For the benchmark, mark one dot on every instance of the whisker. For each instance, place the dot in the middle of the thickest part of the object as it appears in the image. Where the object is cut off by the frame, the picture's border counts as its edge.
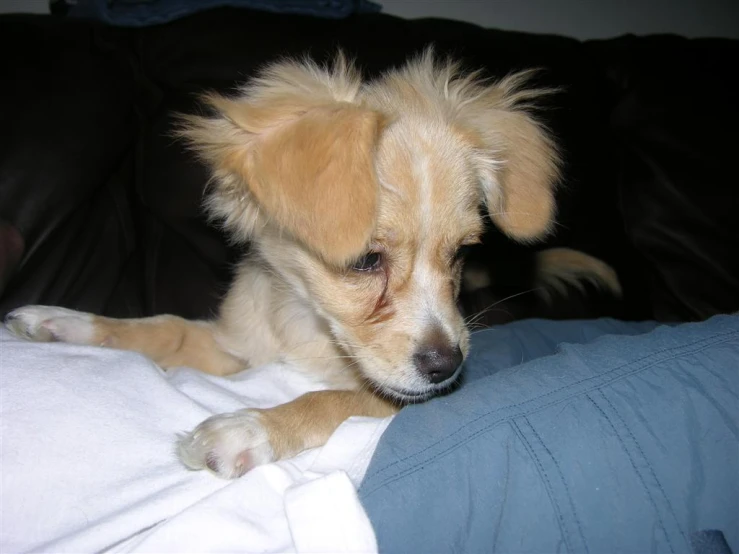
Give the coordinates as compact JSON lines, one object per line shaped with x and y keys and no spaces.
{"x":475,"y":318}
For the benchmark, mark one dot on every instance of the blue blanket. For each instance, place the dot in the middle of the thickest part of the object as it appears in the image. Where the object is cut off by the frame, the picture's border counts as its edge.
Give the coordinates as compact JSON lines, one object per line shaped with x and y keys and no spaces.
{"x":141,"y":13}
{"x":595,"y":436}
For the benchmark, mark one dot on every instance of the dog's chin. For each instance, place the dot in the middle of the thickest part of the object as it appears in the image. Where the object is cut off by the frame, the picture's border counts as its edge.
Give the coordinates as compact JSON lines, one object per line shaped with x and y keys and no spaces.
{"x":416,"y":396}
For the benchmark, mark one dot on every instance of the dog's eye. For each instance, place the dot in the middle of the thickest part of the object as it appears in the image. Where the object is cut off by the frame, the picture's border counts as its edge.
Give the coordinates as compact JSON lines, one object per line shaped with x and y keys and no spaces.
{"x":461,"y":253}
{"x":368,"y":262}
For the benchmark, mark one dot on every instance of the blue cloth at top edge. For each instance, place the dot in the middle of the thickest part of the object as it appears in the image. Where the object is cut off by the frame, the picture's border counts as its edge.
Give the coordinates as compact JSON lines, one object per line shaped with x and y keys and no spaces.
{"x":142,"y":13}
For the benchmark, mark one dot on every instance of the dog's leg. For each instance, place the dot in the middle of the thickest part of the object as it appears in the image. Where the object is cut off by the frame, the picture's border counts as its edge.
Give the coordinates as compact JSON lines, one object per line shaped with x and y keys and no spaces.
{"x":168,"y":340}
{"x":231,"y":444}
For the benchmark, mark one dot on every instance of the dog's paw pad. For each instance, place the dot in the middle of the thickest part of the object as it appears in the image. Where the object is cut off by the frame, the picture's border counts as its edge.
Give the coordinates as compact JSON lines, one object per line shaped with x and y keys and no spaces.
{"x":229,"y":445}
{"x":50,"y":324}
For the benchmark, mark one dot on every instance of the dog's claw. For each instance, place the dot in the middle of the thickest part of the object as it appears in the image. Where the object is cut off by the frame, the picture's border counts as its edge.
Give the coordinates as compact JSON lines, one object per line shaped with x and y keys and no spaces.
{"x":228,"y":445}
{"x":50,"y":324}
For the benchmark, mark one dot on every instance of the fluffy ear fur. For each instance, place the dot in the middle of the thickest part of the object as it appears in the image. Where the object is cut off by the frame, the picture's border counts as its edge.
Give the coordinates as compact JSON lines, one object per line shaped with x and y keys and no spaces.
{"x":519,"y":163}
{"x":293,"y":149}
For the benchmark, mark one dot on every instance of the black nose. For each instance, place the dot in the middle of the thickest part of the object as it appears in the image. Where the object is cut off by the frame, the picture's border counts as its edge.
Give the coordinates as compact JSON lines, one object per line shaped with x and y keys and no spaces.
{"x":437,"y":361}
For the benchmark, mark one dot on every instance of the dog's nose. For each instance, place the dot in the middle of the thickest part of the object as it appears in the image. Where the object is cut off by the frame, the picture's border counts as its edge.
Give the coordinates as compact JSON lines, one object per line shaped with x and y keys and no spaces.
{"x":437,"y":361}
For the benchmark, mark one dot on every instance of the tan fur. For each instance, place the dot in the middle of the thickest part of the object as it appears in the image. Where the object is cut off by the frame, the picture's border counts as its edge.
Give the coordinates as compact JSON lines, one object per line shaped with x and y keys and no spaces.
{"x":292,"y":144}
{"x":313,"y":417}
{"x":316,"y":169}
{"x":559,"y":268}
{"x":517,"y":161}
{"x":168,"y":340}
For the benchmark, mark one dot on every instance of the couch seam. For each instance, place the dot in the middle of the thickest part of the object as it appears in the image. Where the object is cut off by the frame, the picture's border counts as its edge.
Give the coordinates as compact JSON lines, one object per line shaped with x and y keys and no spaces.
{"x":627,"y":451}
{"x":547,"y":482}
{"x":649,"y":465}
{"x":562,"y":479}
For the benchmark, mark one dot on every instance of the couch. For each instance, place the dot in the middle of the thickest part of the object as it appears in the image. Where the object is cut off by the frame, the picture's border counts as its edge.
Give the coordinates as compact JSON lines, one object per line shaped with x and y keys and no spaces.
{"x":108,"y":204}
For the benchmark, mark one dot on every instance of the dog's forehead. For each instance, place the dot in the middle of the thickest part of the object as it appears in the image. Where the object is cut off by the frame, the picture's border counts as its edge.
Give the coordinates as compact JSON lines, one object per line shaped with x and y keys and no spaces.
{"x":427,"y":181}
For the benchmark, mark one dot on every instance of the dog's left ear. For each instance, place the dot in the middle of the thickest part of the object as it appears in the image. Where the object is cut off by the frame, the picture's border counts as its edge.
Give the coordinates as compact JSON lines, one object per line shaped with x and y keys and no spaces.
{"x":294,"y":152}
{"x":315,"y":177}
{"x":519,"y":164}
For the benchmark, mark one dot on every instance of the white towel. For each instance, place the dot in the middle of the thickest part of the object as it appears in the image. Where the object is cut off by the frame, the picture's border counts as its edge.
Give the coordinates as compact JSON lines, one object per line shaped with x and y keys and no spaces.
{"x":87,"y":461}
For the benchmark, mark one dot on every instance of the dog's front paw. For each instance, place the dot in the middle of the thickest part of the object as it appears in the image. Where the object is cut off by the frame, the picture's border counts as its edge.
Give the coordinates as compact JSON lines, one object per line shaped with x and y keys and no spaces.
{"x":48,"y":323}
{"x":229,"y":445}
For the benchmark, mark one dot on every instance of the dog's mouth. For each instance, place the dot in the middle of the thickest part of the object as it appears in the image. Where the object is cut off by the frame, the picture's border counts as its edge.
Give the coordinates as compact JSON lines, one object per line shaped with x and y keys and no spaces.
{"x":410,"y":396}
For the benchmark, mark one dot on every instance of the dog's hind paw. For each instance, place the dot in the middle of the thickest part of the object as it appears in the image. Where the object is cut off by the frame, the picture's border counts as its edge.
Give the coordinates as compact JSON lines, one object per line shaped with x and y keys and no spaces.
{"x":229,"y":445}
{"x":51,"y":324}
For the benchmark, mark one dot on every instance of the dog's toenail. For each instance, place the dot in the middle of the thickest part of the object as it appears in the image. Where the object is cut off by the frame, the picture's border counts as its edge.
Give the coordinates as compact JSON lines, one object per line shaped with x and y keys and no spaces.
{"x":211,"y":461}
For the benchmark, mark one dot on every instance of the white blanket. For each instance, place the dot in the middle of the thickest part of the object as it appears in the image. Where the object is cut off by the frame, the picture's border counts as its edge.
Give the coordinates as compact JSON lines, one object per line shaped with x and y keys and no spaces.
{"x":88,"y":463}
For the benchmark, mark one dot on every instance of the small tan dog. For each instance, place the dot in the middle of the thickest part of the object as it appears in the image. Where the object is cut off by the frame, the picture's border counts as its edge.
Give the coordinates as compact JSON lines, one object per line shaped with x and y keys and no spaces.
{"x":357,"y":197}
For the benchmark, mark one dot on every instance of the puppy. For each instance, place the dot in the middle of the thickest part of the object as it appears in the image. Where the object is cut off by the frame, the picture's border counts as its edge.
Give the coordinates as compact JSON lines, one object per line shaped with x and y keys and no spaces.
{"x":358,"y":199}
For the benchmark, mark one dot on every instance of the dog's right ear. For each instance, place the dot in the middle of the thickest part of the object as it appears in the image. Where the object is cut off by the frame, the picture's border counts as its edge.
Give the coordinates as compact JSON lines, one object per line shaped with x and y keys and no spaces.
{"x":294,"y":150}
{"x":519,"y":162}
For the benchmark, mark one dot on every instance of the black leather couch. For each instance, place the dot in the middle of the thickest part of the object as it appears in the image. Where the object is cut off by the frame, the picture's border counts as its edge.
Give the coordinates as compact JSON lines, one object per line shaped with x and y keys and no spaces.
{"x":108,"y":204}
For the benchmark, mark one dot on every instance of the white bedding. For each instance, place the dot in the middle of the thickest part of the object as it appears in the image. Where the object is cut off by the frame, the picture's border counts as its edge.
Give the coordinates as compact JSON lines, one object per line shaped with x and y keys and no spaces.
{"x":87,"y":461}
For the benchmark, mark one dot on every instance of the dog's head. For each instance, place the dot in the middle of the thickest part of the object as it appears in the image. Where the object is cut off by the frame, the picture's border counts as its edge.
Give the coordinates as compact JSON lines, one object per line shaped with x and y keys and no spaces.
{"x":362,"y":196}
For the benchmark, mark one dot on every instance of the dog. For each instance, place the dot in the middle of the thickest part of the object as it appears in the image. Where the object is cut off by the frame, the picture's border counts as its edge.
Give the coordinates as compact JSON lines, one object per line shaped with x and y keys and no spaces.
{"x":358,"y":199}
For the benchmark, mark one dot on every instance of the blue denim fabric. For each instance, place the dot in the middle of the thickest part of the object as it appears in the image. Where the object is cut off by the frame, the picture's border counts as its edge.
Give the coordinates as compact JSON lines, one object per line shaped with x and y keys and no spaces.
{"x":598,"y":436}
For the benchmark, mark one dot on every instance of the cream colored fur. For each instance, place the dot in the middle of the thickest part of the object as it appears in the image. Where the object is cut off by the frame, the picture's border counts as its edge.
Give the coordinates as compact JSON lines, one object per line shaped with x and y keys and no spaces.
{"x":318,"y":169}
